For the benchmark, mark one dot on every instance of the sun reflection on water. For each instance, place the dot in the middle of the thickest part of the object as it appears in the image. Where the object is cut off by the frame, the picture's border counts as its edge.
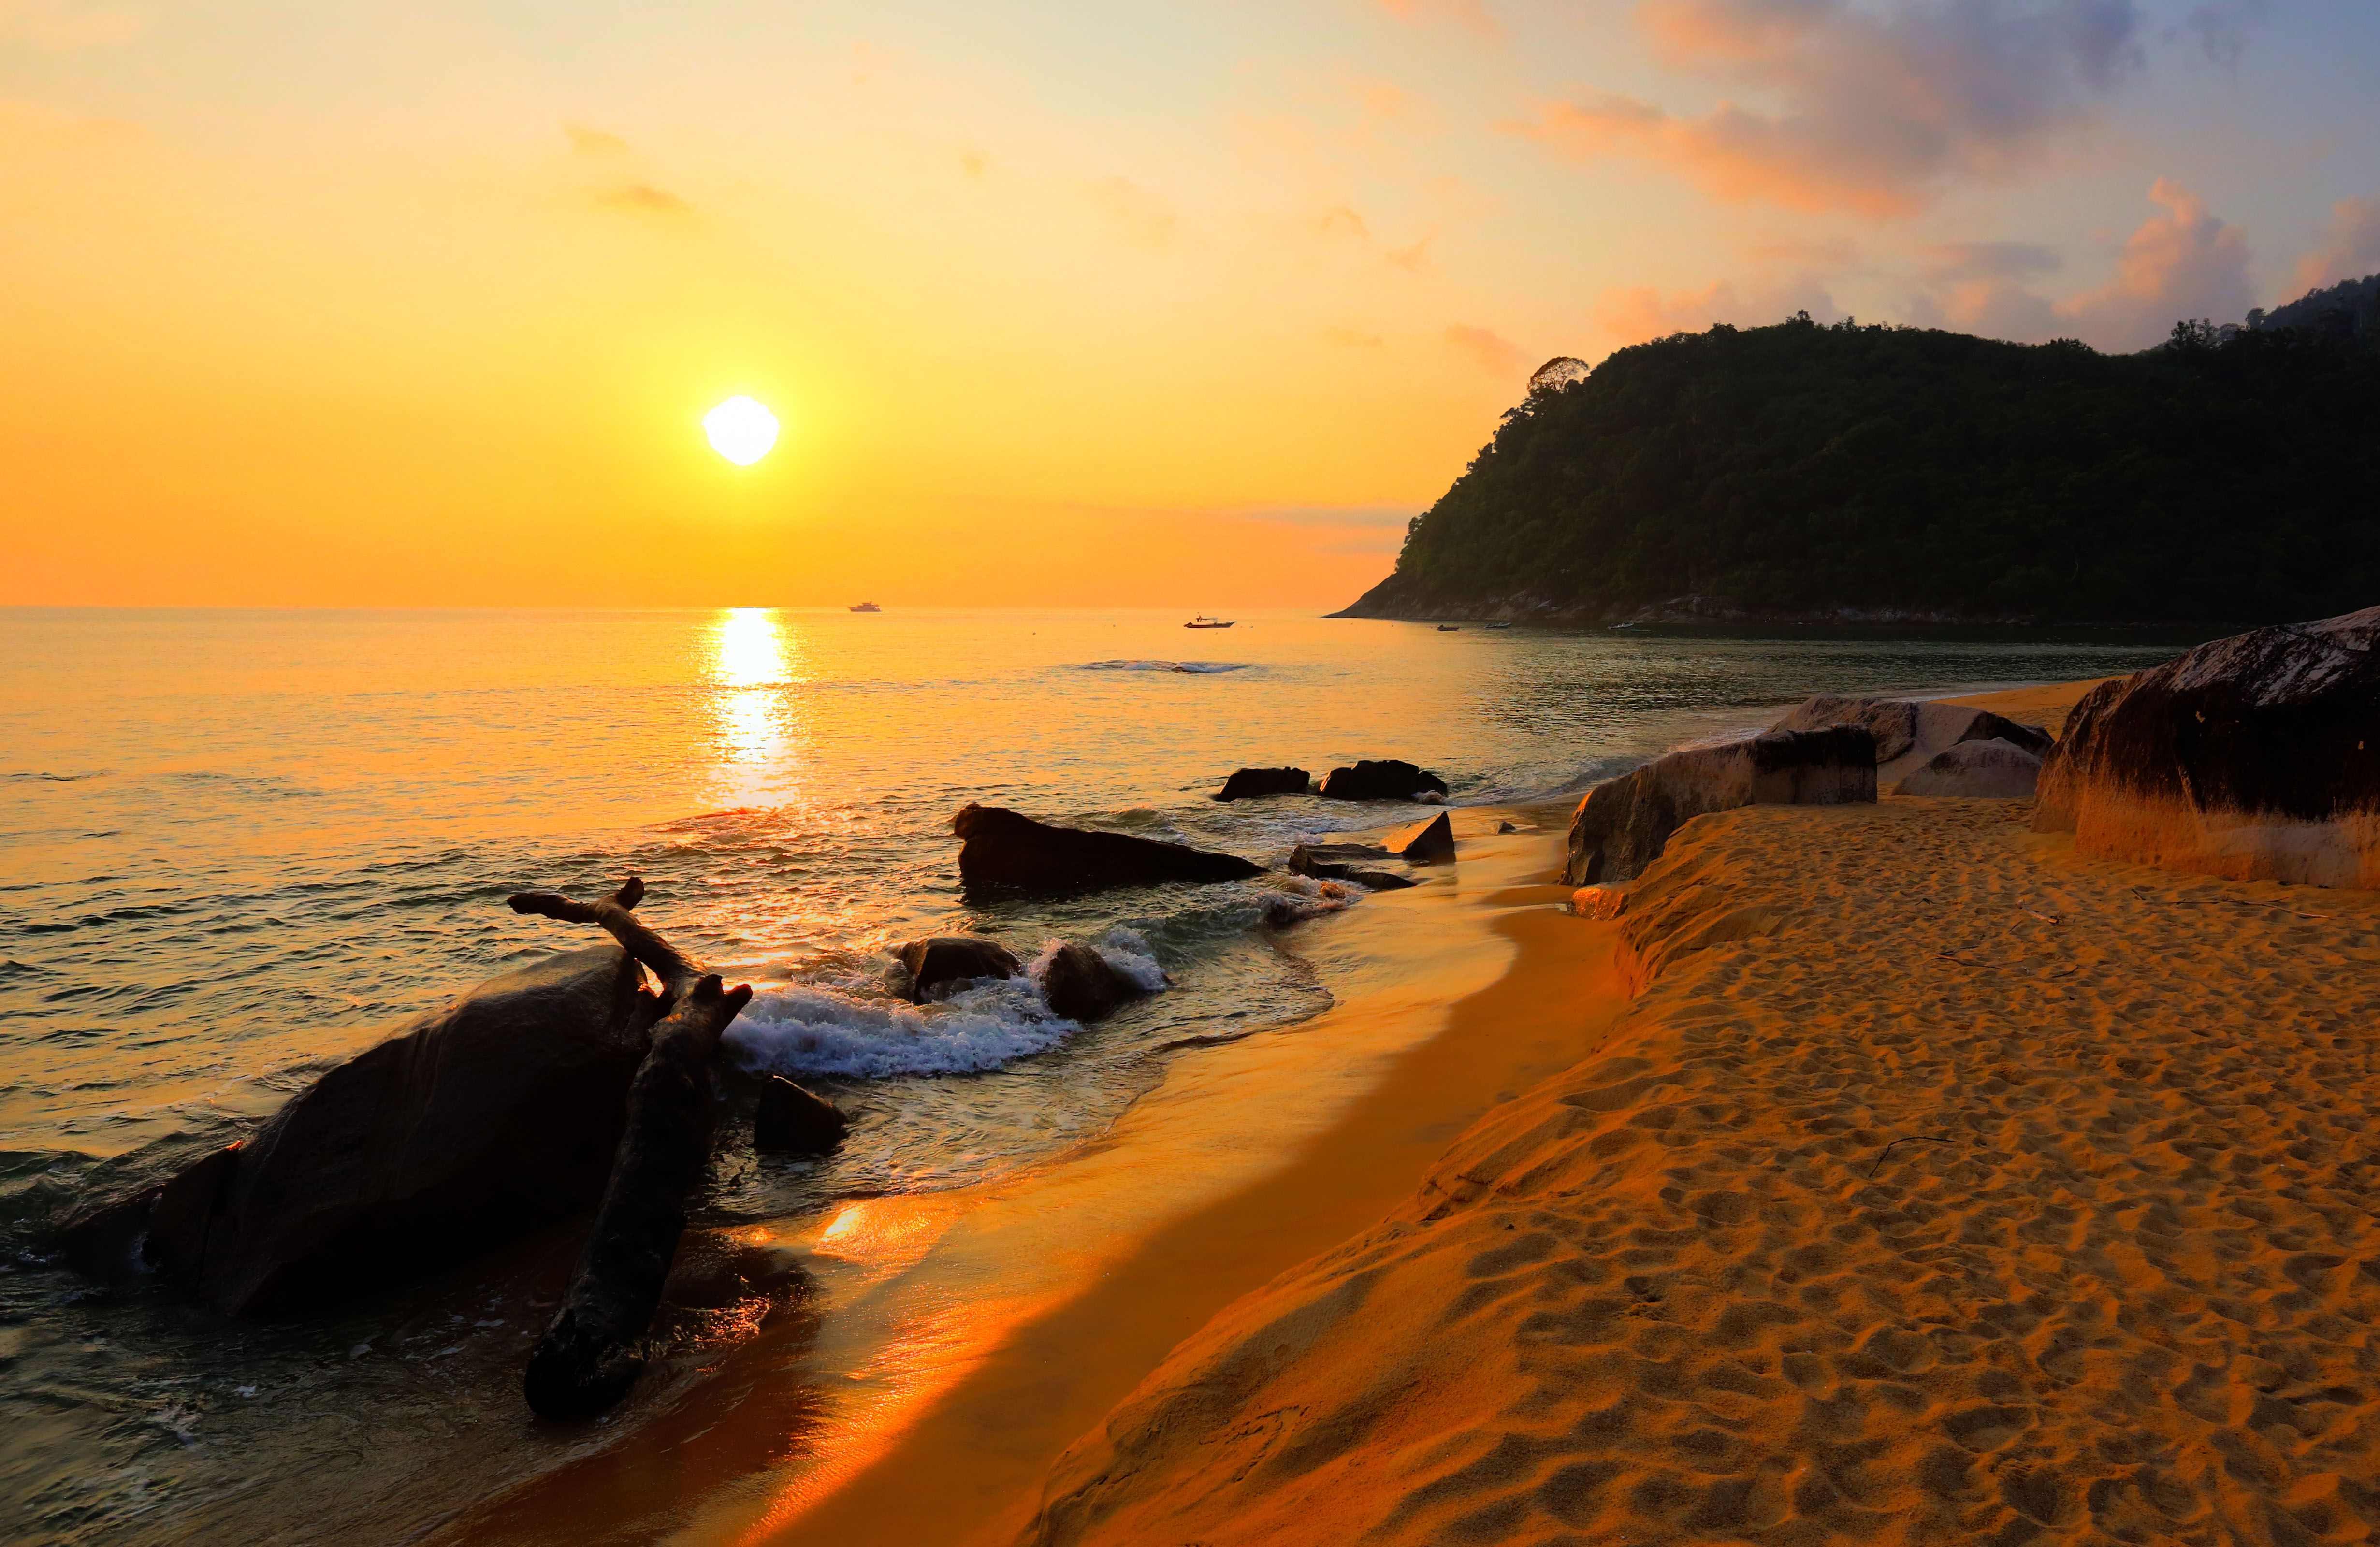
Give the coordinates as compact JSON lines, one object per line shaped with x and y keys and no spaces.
{"x":754,"y":672}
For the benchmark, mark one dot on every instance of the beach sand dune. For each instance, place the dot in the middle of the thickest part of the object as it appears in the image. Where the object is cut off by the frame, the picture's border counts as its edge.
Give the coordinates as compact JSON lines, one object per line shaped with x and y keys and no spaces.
{"x":1943,"y":1186}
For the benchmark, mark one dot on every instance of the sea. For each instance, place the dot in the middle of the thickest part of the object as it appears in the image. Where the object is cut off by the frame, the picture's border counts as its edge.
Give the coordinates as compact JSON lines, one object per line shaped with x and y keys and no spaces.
{"x":238,"y":846}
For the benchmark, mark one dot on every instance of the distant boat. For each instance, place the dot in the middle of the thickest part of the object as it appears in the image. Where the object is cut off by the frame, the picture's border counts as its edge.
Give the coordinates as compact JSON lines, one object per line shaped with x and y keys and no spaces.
{"x":1202,"y":621}
{"x":1500,"y":625}
{"x":867,"y":607}
{"x":1450,"y":628}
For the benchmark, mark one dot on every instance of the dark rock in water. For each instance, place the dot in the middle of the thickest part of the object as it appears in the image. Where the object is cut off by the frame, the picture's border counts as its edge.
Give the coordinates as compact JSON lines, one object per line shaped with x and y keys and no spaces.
{"x":1081,"y":984}
{"x":941,"y":959}
{"x":718,"y":1270}
{"x":1988,"y":770}
{"x":1911,"y":734}
{"x":1249,"y":783}
{"x":1346,"y":862}
{"x":472,"y":1125}
{"x":1430,"y":842}
{"x":2255,"y":757}
{"x":1388,"y":781}
{"x":1506,"y":826}
{"x":1003,"y":848}
{"x":1623,"y":823}
{"x":791,"y":1120}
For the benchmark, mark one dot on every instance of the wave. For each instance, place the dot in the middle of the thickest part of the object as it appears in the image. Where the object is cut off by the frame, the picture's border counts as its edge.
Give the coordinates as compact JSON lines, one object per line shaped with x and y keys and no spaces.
{"x":809,"y":1029}
{"x":1196,"y":666}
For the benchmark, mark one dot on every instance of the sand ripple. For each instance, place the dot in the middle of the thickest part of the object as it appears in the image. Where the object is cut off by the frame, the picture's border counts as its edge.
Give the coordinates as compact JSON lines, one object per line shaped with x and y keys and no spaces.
{"x":1944,"y":1185}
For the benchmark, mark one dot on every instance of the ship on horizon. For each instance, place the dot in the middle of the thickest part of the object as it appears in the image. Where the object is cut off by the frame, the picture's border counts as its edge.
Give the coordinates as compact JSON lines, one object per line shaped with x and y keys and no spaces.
{"x":867,"y":607}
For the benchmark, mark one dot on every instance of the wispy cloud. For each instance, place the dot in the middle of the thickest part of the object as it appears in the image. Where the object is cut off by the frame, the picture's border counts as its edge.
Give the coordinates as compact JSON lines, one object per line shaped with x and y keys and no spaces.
{"x":61,"y":26}
{"x":1490,"y":349}
{"x":1632,"y":314}
{"x":1134,"y":214}
{"x":585,"y":142}
{"x":643,"y":199}
{"x":1870,"y":108}
{"x":2350,"y":248}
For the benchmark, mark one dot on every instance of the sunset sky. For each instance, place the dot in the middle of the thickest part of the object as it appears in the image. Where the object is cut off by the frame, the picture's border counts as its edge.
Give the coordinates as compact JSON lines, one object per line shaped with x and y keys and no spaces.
{"x":1117,"y":303}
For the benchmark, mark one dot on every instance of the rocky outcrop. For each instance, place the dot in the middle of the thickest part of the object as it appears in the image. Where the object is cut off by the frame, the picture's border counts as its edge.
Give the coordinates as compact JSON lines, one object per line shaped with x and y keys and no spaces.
{"x":2255,"y":757}
{"x":1385,"y":781}
{"x":1081,"y":984}
{"x":1978,"y":770}
{"x":471,"y":1125}
{"x":1003,"y":848}
{"x":1430,"y":842}
{"x":1348,"y":862}
{"x":1623,"y":824}
{"x":1248,"y":784}
{"x":1605,"y":901}
{"x":791,"y":1120}
{"x":941,"y":959}
{"x":1909,"y":734}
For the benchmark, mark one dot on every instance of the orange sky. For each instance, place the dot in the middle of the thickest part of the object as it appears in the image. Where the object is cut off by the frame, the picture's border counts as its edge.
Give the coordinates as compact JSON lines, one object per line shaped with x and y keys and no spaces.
{"x":1132,"y":304}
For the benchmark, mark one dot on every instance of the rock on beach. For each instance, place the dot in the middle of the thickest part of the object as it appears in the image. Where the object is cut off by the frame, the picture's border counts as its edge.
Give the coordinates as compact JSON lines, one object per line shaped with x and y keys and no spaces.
{"x":1003,"y":848}
{"x":1623,"y":823}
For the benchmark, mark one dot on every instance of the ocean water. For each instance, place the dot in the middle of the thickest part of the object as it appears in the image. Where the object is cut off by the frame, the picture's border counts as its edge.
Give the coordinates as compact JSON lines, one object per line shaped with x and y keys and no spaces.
{"x":235,"y":845}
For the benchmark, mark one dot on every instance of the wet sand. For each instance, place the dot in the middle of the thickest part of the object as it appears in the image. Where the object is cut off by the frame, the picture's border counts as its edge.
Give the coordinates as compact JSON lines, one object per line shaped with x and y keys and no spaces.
{"x":1943,"y":1185}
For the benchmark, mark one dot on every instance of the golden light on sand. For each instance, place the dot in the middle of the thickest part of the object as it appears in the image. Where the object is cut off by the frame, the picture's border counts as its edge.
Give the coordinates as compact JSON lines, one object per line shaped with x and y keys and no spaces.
{"x":741,"y":429}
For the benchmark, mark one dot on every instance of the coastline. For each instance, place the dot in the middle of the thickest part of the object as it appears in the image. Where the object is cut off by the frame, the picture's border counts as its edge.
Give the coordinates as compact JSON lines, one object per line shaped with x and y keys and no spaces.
{"x":1941,"y":1184}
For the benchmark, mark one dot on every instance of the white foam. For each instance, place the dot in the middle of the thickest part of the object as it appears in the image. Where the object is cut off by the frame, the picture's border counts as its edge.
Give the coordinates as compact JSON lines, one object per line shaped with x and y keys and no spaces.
{"x":797,"y":1030}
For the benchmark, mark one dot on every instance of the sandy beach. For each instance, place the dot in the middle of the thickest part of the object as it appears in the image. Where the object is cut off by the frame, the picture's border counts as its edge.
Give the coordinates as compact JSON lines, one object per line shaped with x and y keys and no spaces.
{"x":1940,"y":1185}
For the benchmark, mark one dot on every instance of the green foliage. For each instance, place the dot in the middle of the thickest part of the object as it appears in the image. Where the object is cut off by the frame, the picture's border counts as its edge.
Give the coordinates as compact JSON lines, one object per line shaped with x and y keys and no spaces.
{"x":1804,"y":467}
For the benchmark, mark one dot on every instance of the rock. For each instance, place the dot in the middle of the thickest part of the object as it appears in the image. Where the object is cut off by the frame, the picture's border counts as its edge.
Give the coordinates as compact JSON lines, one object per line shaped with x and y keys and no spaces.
{"x":1381,"y":781}
{"x":1081,"y":984}
{"x":1430,"y":843}
{"x":1249,"y":783}
{"x":1988,"y":770}
{"x":1621,"y":825}
{"x":718,"y":1270}
{"x":493,"y":1116}
{"x":1506,"y":826}
{"x":1003,"y":848}
{"x":939,"y":959}
{"x":1605,"y":901}
{"x":1344,"y":861}
{"x":791,"y":1120}
{"x":2255,"y":757}
{"x":1910,"y":735}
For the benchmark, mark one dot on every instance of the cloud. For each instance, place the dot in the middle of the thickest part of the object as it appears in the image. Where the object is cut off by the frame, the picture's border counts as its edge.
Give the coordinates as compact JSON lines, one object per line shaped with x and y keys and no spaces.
{"x":585,"y":142}
{"x":1490,"y":349}
{"x":643,"y":198}
{"x":2220,"y":29}
{"x":1874,"y":107}
{"x":1352,"y":338}
{"x":1632,"y":314}
{"x":2184,"y":262}
{"x":1133,"y":212}
{"x":2349,"y":246}
{"x":973,"y":163}
{"x":1472,"y":14}
{"x":1366,"y":517}
{"x":60,"y":26}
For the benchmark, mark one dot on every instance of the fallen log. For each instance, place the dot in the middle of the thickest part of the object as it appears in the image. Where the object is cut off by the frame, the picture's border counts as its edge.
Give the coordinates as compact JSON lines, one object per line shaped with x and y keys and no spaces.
{"x":592,"y":1350}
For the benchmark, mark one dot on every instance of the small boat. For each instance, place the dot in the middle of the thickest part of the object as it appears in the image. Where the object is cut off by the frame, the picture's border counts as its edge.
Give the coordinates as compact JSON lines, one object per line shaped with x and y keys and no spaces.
{"x":1450,"y":628}
{"x":1202,"y":621}
{"x":867,"y":607}
{"x":1500,"y":625}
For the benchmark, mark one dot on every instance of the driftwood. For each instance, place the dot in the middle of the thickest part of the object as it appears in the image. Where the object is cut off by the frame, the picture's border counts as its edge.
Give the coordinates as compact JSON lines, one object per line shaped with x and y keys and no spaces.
{"x":592,"y":1352}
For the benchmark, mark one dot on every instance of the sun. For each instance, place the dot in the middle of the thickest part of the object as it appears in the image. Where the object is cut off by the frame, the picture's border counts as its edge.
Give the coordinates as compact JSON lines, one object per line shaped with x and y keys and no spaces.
{"x":741,"y":431}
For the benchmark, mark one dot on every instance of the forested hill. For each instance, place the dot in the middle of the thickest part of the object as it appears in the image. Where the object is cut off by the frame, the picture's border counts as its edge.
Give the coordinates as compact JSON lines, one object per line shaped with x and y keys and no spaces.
{"x":1806,"y":471}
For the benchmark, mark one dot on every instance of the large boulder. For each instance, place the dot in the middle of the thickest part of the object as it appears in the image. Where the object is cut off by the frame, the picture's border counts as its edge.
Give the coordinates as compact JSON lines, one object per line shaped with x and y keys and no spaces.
{"x":1348,"y":862}
{"x":1623,"y":824}
{"x":1004,"y":847}
{"x":2257,"y":758}
{"x":939,"y":959}
{"x":1247,"y":784}
{"x":493,"y":1116}
{"x":1987,"y":770}
{"x":1430,"y":843}
{"x":1909,"y":734}
{"x":1081,"y":984}
{"x":1386,"y":780}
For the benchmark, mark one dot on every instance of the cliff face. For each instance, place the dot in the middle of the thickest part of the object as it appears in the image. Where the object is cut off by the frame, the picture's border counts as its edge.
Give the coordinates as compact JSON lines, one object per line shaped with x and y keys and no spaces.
{"x":1847,"y":475}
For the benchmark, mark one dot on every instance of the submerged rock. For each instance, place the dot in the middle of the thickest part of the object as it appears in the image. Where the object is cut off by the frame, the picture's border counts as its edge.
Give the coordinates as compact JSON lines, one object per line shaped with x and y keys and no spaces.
{"x":1348,"y":862}
{"x":1081,"y":984}
{"x":1430,"y":842}
{"x":1388,"y":781}
{"x":1003,"y":848}
{"x":2255,"y":757}
{"x":1988,"y":770}
{"x":939,"y":959}
{"x":792,"y":1120}
{"x":473,"y":1124}
{"x":1623,"y":824}
{"x":1250,"y":784}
